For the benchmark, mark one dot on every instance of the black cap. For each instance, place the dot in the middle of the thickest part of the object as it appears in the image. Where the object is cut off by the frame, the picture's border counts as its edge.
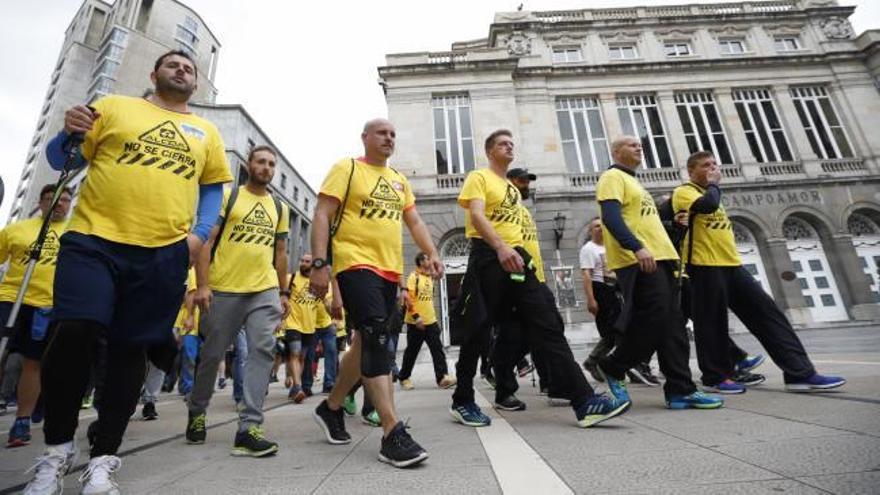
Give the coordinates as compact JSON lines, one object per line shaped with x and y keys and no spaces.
{"x":520,"y":173}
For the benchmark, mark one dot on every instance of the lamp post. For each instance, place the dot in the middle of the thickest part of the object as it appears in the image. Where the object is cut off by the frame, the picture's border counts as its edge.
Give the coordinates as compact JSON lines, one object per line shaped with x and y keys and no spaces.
{"x":558,"y":227}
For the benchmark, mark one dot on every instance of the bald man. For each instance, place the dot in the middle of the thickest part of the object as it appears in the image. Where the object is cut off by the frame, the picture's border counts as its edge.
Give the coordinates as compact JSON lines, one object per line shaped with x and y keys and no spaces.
{"x":640,"y":253}
{"x":358,"y":228}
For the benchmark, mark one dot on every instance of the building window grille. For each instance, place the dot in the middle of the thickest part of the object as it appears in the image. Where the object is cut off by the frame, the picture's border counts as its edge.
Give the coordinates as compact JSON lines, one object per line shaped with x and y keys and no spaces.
{"x":567,"y":54}
{"x":640,"y":116}
{"x":764,"y":132}
{"x":582,"y":131}
{"x":824,"y":129}
{"x":623,"y":52}
{"x":677,"y":49}
{"x":702,"y":124}
{"x":453,"y":134}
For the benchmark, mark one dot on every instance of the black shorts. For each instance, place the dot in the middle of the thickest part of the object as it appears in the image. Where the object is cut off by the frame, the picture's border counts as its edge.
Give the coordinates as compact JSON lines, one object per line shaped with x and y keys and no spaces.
{"x":367,"y":297}
{"x":298,"y":341}
{"x":29,"y":336}
{"x":134,"y":291}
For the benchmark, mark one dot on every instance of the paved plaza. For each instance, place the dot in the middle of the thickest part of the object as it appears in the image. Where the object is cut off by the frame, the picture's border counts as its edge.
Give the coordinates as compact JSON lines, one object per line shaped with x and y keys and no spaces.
{"x":766,"y":441}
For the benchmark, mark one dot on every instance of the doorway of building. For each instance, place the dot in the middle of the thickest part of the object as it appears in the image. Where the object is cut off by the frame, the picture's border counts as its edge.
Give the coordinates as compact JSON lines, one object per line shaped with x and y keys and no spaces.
{"x":813,"y":271}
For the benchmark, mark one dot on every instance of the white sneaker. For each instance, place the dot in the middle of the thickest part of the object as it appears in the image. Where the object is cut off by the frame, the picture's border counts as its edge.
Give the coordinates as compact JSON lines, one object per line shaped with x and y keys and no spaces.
{"x":99,"y":477}
{"x":50,"y":469}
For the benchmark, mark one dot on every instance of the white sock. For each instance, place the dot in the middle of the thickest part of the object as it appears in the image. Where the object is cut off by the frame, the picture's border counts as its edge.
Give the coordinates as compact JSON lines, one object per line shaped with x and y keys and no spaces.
{"x":67,"y":446}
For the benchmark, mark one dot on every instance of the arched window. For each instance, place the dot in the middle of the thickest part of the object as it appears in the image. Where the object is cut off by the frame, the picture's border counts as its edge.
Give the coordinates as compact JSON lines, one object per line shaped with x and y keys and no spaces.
{"x":456,"y":246}
{"x":795,"y":229}
{"x":742,"y":235}
{"x":858,"y":224}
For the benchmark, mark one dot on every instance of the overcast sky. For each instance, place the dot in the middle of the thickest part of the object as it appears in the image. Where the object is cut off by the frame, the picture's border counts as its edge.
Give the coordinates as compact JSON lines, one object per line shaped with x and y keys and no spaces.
{"x":306,"y":71}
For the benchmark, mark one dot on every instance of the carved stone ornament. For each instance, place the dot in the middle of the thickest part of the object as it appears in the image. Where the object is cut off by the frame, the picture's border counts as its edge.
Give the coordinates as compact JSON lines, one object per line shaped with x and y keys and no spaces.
{"x":674,"y":34}
{"x":730,"y":31}
{"x":514,"y":16}
{"x":781,"y":29}
{"x":518,"y":44}
{"x":837,"y":28}
{"x":621,"y":37}
{"x":818,"y":3}
{"x":565,"y":37}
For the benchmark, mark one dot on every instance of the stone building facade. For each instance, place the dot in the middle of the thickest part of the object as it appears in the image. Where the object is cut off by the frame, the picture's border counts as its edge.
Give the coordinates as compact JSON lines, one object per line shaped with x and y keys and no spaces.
{"x":783,"y":92}
{"x":110,"y":48}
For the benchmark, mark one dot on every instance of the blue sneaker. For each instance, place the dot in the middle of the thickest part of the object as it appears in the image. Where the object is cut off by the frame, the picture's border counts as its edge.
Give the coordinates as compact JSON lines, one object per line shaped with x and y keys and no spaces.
{"x":816,"y":383}
{"x":726,"y":387}
{"x":696,"y":400}
{"x":749,"y":363}
{"x":20,"y":433}
{"x":615,"y":386}
{"x":470,"y":415}
{"x":599,"y":408}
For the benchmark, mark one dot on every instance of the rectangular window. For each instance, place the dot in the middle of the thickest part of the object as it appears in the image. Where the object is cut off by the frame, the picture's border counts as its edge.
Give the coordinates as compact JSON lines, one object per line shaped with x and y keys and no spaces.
{"x":640,"y":116}
{"x":702,"y":124}
{"x":453,"y":135}
{"x":564,"y":55}
{"x":283,"y":181}
{"x":787,"y":43}
{"x":764,"y":132}
{"x":187,"y":34}
{"x":582,"y":130}
{"x":306,"y":205}
{"x":732,"y":47}
{"x":677,"y":49}
{"x":295,"y":194}
{"x":623,"y":52}
{"x":824,"y":129}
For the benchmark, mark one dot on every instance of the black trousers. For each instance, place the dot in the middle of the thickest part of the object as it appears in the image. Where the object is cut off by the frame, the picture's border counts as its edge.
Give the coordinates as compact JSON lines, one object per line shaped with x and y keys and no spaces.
{"x":414,"y":340}
{"x":651,"y":321}
{"x":734,"y":352}
{"x":65,"y":376}
{"x":715,"y":289}
{"x":542,"y":326}
{"x":608,"y":300}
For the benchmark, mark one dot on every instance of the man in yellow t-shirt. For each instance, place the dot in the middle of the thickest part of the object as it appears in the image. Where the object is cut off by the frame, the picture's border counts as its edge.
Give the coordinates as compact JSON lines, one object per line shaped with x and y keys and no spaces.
{"x":239,"y":273}
{"x":421,"y":326}
{"x":153,"y":167}
{"x":644,"y":259}
{"x":29,"y":330}
{"x":299,"y":326}
{"x":501,"y":278}
{"x":719,"y":282}
{"x":325,"y":334}
{"x":362,"y":206}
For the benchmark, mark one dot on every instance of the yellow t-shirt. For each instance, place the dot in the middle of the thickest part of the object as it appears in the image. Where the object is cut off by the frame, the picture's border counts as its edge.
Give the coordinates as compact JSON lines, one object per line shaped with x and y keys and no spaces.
{"x":530,"y":242}
{"x":370,"y":234}
{"x":714,"y":244}
{"x":16,"y":241}
{"x":639,"y":214}
{"x":145,"y":166}
{"x":302,"y":305}
{"x":421,"y":295}
{"x":183,"y":313}
{"x":502,"y":202}
{"x":322,"y":316}
{"x":243,"y":260}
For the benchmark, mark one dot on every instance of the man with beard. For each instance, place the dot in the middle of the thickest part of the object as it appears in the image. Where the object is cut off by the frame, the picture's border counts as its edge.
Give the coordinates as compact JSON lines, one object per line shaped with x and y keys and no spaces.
{"x":299,"y":331}
{"x":29,"y":337}
{"x":362,"y":206}
{"x":123,"y":261}
{"x":239,"y":272}
{"x":501,"y":276}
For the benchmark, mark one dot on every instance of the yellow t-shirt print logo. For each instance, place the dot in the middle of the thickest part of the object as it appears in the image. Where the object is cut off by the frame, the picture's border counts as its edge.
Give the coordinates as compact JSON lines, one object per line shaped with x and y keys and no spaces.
{"x":166,"y":135}
{"x":648,"y":207}
{"x":384,"y":191}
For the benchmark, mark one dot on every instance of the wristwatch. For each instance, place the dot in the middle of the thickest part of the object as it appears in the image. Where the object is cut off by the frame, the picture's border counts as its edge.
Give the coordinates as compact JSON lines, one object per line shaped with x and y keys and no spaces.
{"x":319,"y":263}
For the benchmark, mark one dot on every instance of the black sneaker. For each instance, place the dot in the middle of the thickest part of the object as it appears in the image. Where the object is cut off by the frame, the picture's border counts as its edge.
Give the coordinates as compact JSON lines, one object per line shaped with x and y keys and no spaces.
{"x":332,"y":422}
{"x":400,"y":450}
{"x":252,"y":443}
{"x":195,"y":428}
{"x":149,"y":411}
{"x":749,"y":379}
{"x":644,"y":369}
{"x":510,"y":403}
{"x":593,"y":369}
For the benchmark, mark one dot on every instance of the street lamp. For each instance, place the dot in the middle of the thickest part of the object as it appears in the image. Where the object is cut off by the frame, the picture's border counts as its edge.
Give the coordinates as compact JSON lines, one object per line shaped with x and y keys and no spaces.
{"x":558,"y":227}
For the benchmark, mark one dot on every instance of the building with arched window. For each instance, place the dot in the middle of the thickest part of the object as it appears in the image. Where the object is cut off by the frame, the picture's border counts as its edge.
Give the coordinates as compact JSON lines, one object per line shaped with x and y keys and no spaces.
{"x":783,"y":92}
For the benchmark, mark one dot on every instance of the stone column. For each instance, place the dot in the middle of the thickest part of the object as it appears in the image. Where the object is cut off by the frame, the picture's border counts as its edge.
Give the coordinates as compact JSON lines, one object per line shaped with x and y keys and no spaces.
{"x":608,"y":103}
{"x":674,"y":131}
{"x":852,"y":282}
{"x":787,"y":293}
{"x":795,"y":131}
{"x":734,"y":130}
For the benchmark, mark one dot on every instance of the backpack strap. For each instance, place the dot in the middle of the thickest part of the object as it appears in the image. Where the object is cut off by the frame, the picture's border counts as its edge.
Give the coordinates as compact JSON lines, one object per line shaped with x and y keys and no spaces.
{"x":337,"y":219}
{"x":230,"y":202}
